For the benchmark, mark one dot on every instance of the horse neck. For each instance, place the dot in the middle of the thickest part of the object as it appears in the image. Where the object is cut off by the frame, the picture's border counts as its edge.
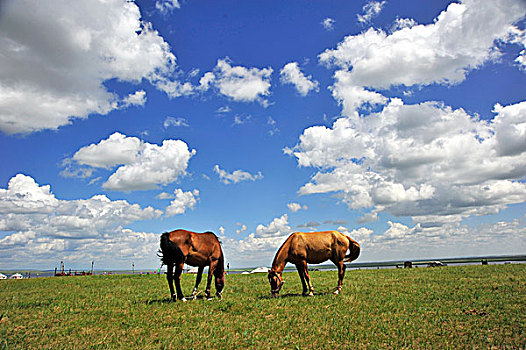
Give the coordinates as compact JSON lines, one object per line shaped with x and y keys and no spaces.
{"x":220,"y":268}
{"x":280,"y":260}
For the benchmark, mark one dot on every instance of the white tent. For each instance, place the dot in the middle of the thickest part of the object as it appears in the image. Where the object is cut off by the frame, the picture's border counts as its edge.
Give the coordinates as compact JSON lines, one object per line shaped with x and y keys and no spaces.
{"x":2,"y":276}
{"x":192,"y":269}
{"x":260,"y":270}
{"x":16,"y":276}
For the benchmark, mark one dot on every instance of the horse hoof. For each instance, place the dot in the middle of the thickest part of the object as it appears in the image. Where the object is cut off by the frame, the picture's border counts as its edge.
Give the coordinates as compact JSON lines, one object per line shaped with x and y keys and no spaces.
{"x":209,"y":299}
{"x":336,"y":292}
{"x":184,"y":300}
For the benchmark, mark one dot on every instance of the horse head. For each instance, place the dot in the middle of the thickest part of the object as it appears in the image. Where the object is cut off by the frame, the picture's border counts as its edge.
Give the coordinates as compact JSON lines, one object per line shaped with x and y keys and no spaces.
{"x":276,"y":282}
{"x":219,"y":281}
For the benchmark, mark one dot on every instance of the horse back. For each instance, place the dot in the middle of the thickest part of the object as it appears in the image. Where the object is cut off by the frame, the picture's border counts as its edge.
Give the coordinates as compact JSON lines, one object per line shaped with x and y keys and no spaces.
{"x":317,"y":247}
{"x":196,"y":249}
{"x":206,"y":243}
{"x":182,"y":239}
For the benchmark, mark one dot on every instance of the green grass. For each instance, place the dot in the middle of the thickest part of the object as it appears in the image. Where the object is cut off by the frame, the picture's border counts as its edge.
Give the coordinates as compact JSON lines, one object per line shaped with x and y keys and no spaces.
{"x":479,"y":307}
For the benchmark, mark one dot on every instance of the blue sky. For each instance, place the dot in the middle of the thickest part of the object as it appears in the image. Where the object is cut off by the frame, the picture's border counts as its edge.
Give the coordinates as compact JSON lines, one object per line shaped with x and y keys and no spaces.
{"x":399,"y":123}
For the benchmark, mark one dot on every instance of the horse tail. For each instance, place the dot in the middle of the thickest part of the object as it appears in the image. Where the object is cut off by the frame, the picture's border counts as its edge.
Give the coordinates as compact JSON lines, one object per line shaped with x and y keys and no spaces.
{"x":169,"y":253}
{"x":354,"y":250}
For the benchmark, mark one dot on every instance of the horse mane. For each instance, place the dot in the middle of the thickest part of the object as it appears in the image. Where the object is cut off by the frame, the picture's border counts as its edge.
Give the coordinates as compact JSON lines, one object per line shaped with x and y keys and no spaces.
{"x":169,"y":252}
{"x":278,"y":252}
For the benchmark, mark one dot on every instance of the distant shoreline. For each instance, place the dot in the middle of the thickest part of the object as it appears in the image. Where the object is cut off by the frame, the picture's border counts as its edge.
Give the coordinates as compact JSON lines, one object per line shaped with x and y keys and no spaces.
{"x":491,"y":259}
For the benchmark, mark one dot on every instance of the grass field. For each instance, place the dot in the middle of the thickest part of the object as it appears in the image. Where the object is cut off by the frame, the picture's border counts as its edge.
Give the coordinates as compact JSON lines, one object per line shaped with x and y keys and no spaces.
{"x":480,"y":307}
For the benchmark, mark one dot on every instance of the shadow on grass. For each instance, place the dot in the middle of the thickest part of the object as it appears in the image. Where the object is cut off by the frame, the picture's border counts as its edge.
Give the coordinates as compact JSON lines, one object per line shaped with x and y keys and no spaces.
{"x":188,"y":299}
{"x":296,"y":295}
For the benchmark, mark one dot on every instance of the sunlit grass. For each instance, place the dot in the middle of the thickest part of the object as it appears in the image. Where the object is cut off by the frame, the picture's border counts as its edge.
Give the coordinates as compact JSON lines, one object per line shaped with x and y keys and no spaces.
{"x":453,"y":307}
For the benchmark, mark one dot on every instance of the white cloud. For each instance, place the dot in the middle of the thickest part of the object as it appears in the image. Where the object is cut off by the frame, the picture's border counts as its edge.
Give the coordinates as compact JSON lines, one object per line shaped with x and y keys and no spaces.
{"x":369,"y":217}
{"x":236,"y":176}
{"x":241,"y":119}
{"x":402,"y":242}
{"x":142,"y":165}
{"x":224,"y":109}
{"x":138,"y":98}
{"x":177,"y":122}
{"x":182,"y":202}
{"x":273,"y":126}
{"x":291,"y":74}
{"x":242,"y":229}
{"x":115,"y":150}
{"x":371,"y":9}
{"x":258,"y":247}
{"x":295,"y":207}
{"x":406,"y":160}
{"x":279,"y":227}
{"x":461,"y":39}
{"x":401,"y":23}
{"x":166,"y":6}
{"x":518,"y":36}
{"x":328,"y":23}
{"x":164,"y":195}
{"x":58,"y":56}
{"x":239,"y":83}
{"x":39,"y":227}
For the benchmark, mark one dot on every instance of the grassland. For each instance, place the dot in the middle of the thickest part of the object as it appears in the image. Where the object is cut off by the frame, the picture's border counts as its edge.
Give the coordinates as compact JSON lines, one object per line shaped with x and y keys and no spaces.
{"x":480,"y":307}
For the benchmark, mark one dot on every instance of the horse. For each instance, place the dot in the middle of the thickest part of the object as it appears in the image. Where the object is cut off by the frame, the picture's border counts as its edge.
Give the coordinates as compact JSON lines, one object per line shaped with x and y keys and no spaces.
{"x":195,"y":249}
{"x":301,"y":248}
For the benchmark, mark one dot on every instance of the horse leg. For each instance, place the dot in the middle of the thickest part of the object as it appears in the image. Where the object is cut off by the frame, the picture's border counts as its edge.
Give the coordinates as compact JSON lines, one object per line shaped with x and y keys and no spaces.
{"x":302,"y":277}
{"x":341,"y":273}
{"x":178,"y":271}
{"x":307,"y":279}
{"x":198,"y":280}
{"x":170,"y":278}
{"x":211,"y":269}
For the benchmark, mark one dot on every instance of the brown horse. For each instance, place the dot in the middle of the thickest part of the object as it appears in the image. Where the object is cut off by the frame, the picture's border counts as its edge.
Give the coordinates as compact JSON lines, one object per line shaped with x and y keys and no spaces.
{"x":301,"y":248}
{"x":195,"y":249}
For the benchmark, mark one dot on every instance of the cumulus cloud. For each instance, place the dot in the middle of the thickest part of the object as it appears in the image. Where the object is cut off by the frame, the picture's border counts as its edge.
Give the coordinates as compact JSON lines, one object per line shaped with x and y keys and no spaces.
{"x":58,"y":57}
{"x":38,"y":226}
{"x":166,"y":6}
{"x":141,"y":165}
{"x":328,"y":23}
{"x":258,"y":247}
{"x":405,"y":160}
{"x":370,"y":10}
{"x":401,"y":23}
{"x":291,"y":74}
{"x":419,"y":242}
{"x":138,"y":98}
{"x":461,"y":39}
{"x":237,"y":82}
{"x":242,"y":228}
{"x":240,"y":119}
{"x":182,"y":201}
{"x":295,"y":207}
{"x":177,"y":122}
{"x":278,"y":227}
{"x":310,"y":225}
{"x":236,"y":176}
{"x":518,"y":36}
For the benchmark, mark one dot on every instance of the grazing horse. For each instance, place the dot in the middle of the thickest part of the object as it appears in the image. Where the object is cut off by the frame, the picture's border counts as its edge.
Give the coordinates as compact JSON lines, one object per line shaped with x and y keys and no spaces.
{"x":301,"y":248}
{"x":195,"y":249}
